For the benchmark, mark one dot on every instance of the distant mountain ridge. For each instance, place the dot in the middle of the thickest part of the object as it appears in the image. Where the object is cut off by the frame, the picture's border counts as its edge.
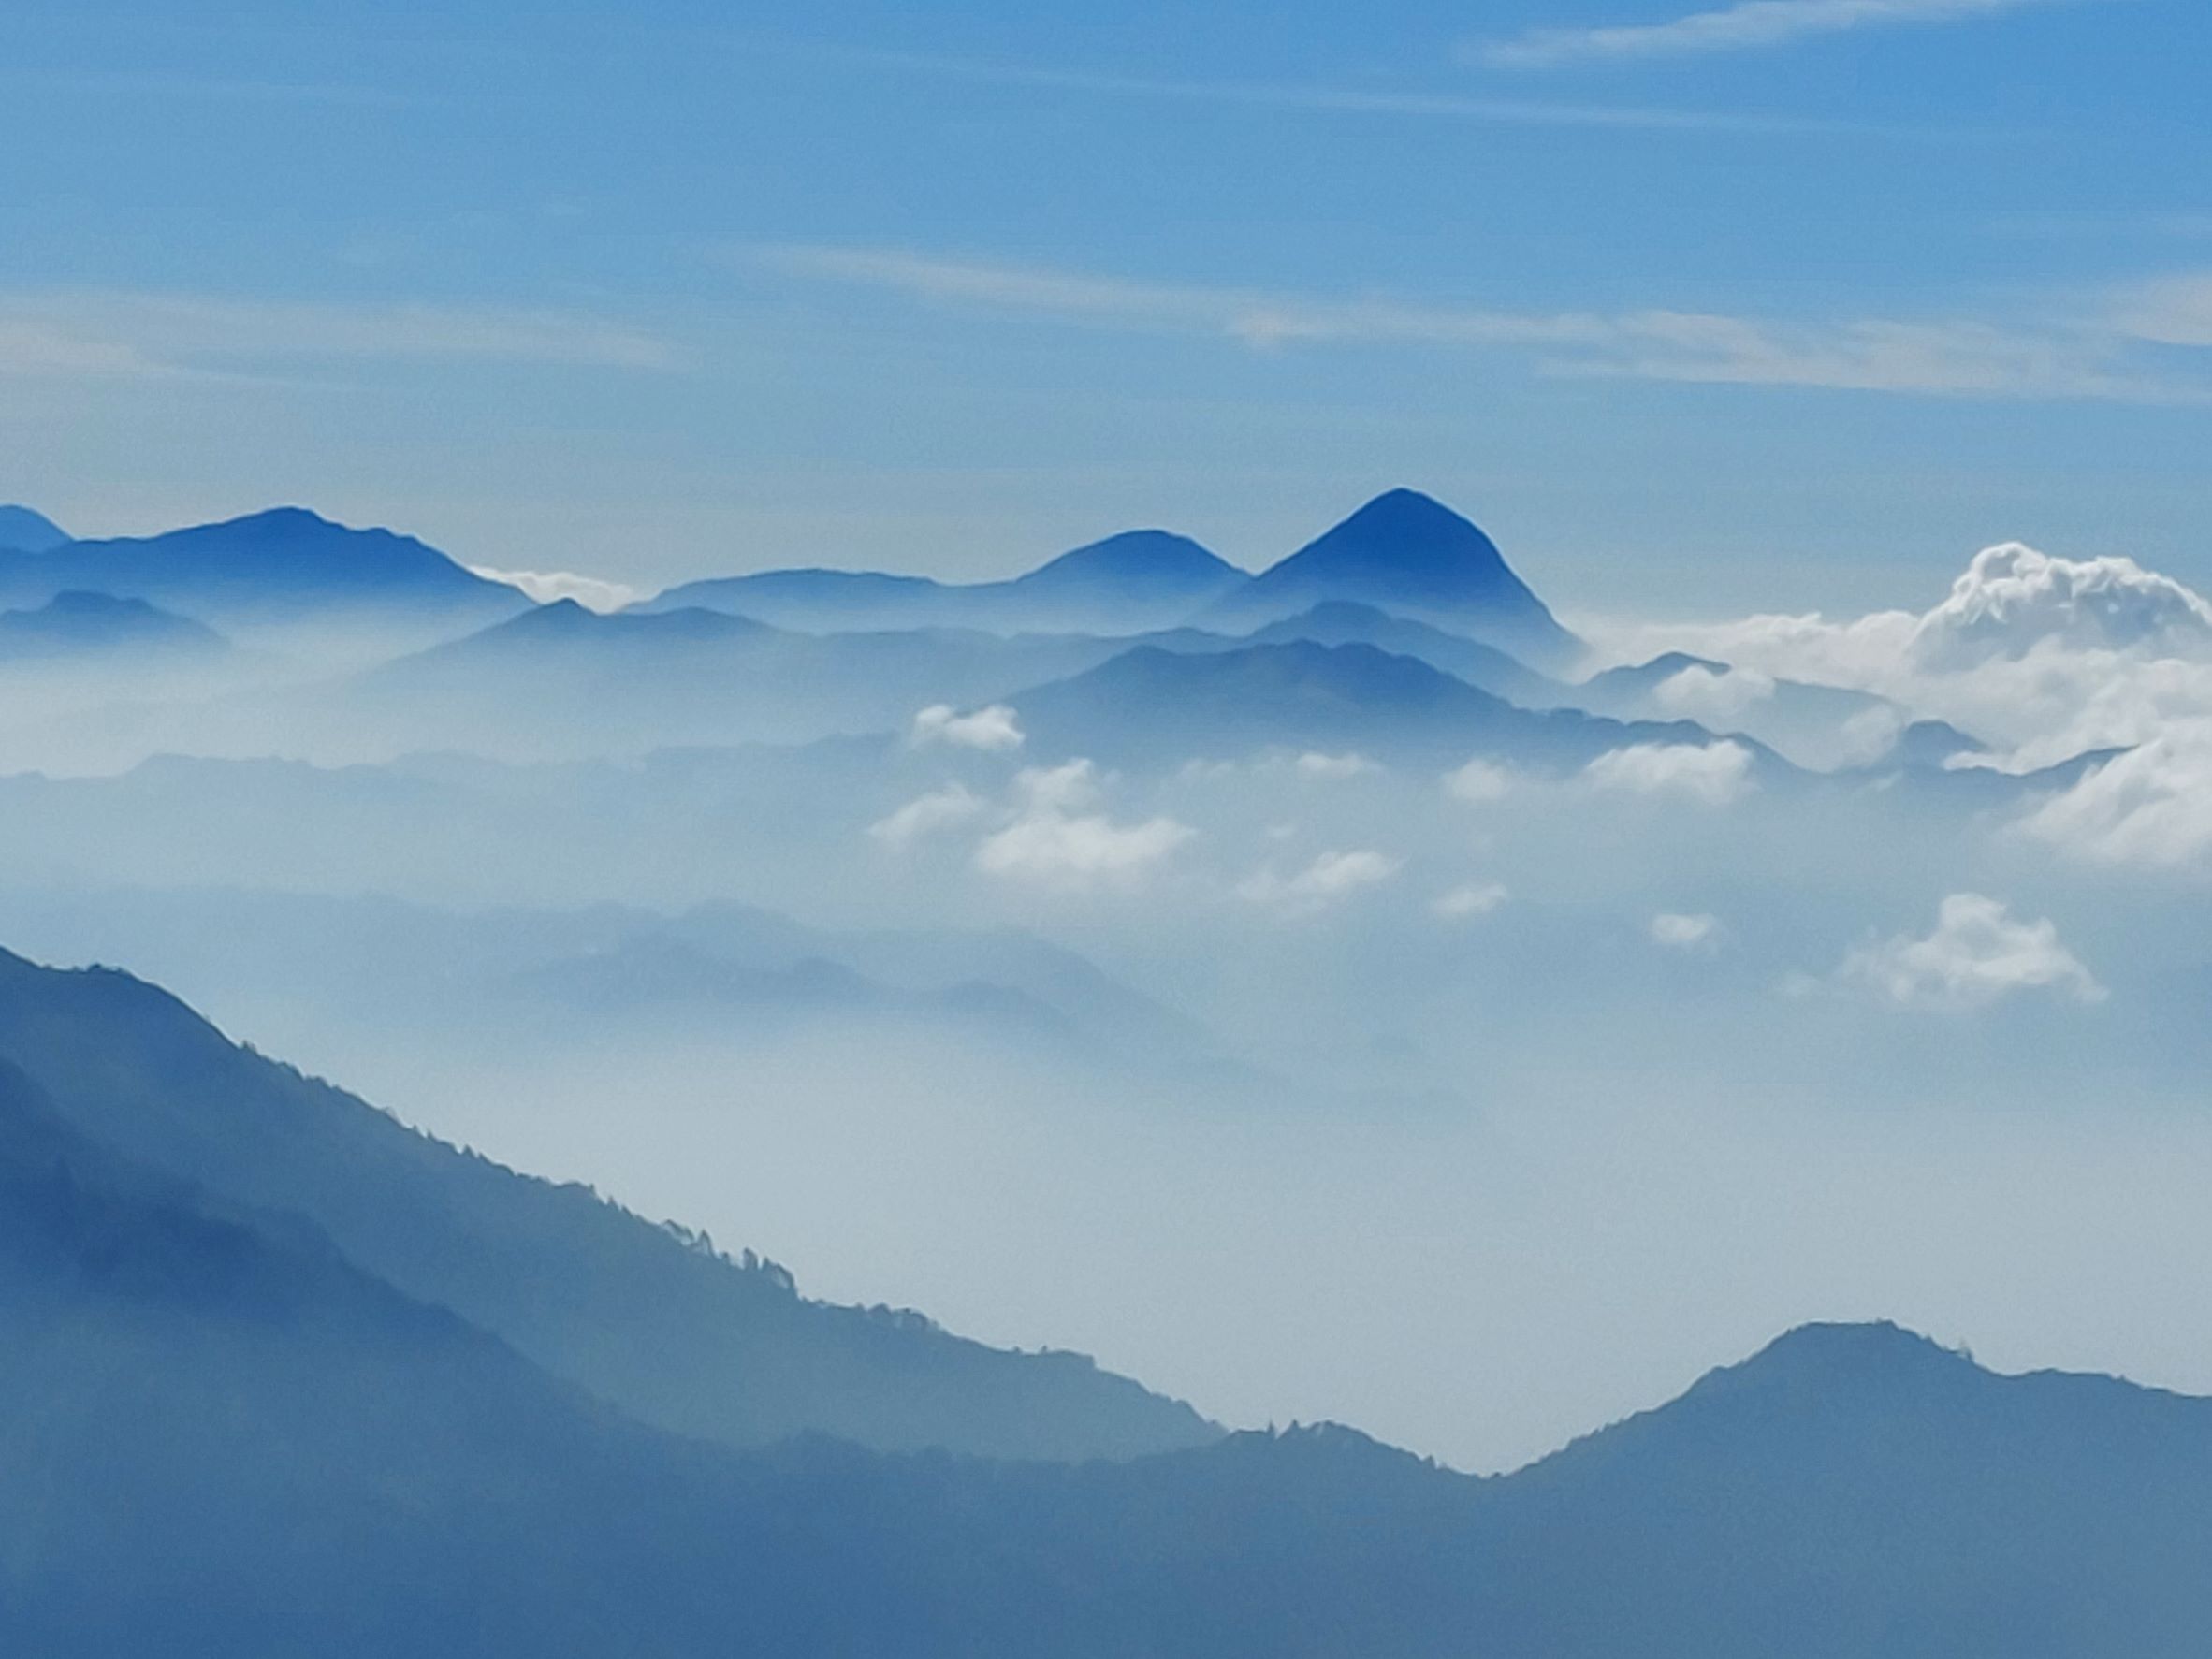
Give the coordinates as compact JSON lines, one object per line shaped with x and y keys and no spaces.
{"x":1159,"y":708}
{"x":285,"y":565}
{"x":1403,"y":555}
{"x":1343,"y":621}
{"x":76,"y":626}
{"x":1128,"y":583}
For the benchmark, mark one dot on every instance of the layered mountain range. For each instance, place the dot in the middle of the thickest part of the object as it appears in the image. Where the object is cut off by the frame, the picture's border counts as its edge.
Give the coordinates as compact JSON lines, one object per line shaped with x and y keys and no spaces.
{"x":285,"y":1374}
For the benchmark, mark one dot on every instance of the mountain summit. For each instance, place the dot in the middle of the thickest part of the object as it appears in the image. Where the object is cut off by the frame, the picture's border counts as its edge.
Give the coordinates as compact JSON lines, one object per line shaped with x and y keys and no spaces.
{"x":23,"y":531}
{"x":1137,"y":563}
{"x":1407,"y":554}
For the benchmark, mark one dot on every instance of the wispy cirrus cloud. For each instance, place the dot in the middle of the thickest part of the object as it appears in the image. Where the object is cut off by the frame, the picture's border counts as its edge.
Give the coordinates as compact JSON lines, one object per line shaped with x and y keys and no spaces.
{"x":126,"y":334}
{"x":2091,"y":359}
{"x":1325,"y":100}
{"x":1746,"y":26}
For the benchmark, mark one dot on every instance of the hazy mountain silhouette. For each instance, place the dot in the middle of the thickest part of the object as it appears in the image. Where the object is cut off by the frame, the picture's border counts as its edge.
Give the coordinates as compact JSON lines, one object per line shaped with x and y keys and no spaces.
{"x":1639,"y":679}
{"x":563,"y":679}
{"x":416,"y":965}
{"x":1825,"y":727}
{"x":677,"y":1336}
{"x":283,"y":565}
{"x":1155,"y":708}
{"x":1932,"y":743}
{"x":1131,"y":583}
{"x":77,"y":626}
{"x":1484,"y":667}
{"x":225,"y":1438}
{"x":23,"y":531}
{"x":1411,"y":556}
{"x":228,"y":1432}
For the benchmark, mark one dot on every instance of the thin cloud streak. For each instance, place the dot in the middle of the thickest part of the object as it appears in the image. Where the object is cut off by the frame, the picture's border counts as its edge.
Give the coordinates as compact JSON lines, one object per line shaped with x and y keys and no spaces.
{"x":1746,"y":26}
{"x":1332,"y":100}
{"x":1927,"y":358}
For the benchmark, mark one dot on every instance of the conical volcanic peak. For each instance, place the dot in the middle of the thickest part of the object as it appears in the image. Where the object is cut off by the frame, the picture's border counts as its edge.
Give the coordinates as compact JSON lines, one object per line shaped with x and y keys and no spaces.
{"x":1409,"y":555}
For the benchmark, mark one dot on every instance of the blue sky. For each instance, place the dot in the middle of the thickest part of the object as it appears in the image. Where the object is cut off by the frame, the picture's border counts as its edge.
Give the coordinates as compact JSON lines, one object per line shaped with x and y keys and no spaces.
{"x":1775,"y":305}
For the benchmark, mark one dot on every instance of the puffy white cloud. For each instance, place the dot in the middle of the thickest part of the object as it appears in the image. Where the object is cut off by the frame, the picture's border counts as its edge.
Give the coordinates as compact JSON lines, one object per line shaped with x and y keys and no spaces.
{"x":995,"y":730}
{"x":1678,"y":932}
{"x":1070,"y":787}
{"x":2013,"y":598}
{"x":1054,"y":833}
{"x":1051,"y":846}
{"x":941,"y":809}
{"x":1331,"y":876}
{"x":1721,"y":699}
{"x":1049,"y":827}
{"x":1479,"y":782}
{"x":1712,"y":774}
{"x":1476,"y":899}
{"x":1977,"y":954}
{"x":1331,"y":767}
{"x":594,"y":593}
{"x":2151,"y":806}
{"x":2045,"y":658}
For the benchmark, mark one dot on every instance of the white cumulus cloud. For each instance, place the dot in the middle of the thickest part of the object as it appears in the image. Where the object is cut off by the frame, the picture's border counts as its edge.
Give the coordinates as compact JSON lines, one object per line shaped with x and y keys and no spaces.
{"x":941,"y":809}
{"x":994,"y":730}
{"x":1710,"y":773}
{"x":1978,"y":953}
{"x":2013,"y":598}
{"x":1478,"y":783}
{"x":1680,"y":932}
{"x":2044,"y":657}
{"x":1329,"y":878}
{"x":1719,"y":698}
{"x":1464,"y":903}
{"x":2151,"y":806}
{"x":1055,"y":834}
{"x":1052,"y":846}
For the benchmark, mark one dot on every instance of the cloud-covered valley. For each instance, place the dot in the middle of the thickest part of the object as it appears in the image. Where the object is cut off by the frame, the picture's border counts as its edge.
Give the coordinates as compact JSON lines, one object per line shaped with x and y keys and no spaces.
{"x":907,"y":917}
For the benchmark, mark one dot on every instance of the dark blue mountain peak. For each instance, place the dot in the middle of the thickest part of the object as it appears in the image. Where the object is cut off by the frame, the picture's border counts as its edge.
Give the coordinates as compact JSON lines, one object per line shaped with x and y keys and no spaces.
{"x":23,"y":530}
{"x":1146,"y":556}
{"x":1829,"y":1357}
{"x":1409,"y":555}
{"x":1416,"y":541}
